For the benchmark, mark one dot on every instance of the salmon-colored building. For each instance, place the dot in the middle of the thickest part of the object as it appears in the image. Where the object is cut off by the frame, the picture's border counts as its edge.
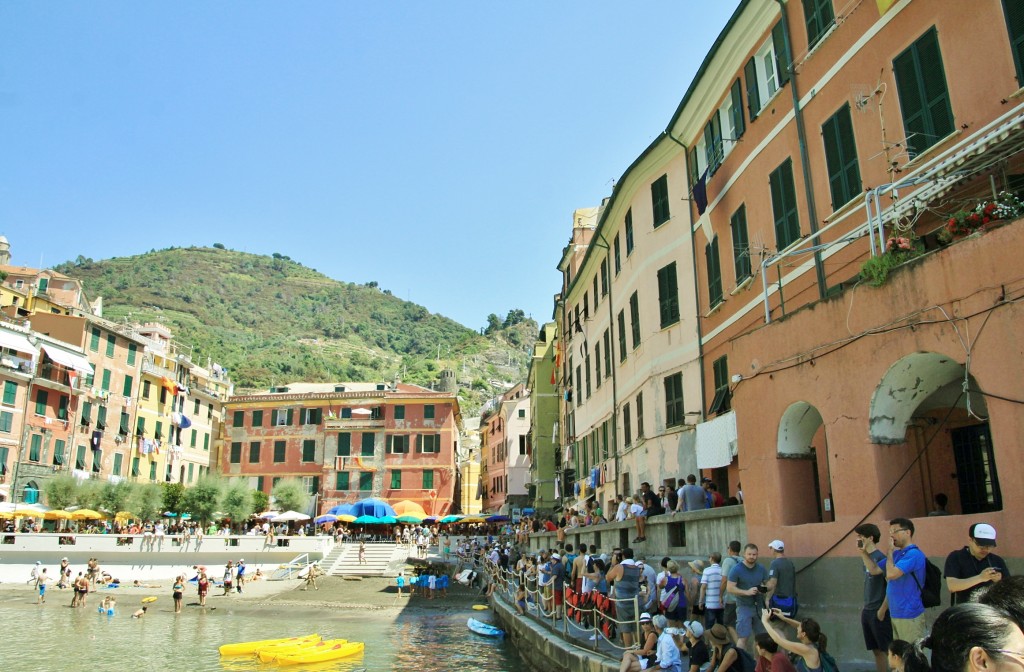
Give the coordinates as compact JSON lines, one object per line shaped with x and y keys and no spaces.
{"x":347,"y":441}
{"x":505,"y":469}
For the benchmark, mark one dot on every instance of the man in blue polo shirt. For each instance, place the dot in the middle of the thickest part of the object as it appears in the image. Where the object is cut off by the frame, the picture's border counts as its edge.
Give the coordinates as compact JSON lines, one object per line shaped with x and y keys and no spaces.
{"x":904,"y":567}
{"x":746,"y":582}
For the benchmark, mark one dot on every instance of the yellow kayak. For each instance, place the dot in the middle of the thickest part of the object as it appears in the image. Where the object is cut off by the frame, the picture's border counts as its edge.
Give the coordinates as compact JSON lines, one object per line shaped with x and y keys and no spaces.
{"x":271,"y":653}
{"x":320,"y":654}
{"x":249,"y":648}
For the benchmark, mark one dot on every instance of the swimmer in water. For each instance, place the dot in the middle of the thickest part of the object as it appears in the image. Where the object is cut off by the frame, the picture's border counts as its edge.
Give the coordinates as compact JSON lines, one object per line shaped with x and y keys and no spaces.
{"x":140,"y":612}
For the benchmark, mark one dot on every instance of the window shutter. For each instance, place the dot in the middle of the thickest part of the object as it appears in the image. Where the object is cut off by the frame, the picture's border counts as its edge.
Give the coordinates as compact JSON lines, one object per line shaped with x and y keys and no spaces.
{"x":316,"y":484}
{"x":753,"y":97}
{"x":714,"y":273}
{"x":783,"y":192}
{"x":290,"y":417}
{"x":738,"y":125}
{"x":1014,"y":10}
{"x":691,"y":168}
{"x":933,"y":78}
{"x":419,"y":443}
{"x":833,"y":160}
{"x":781,"y":53}
{"x":740,"y":244}
{"x":716,"y":137}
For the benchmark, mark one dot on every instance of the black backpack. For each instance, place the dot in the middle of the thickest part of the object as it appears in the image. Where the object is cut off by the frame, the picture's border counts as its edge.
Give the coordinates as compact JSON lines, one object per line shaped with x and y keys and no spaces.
{"x":931,"y":591}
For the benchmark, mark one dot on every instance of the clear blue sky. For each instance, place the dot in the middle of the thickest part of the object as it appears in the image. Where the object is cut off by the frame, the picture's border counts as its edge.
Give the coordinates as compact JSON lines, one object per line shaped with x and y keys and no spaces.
{"x":438,"y":148}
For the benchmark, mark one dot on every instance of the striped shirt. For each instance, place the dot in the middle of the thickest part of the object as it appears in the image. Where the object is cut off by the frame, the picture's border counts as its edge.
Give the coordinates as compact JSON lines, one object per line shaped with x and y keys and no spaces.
{"x":712,"y":578}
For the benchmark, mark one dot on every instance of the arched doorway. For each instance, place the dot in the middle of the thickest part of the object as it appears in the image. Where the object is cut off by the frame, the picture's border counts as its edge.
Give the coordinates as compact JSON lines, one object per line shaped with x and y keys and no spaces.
{"x":929,"y":403}
{"x":803,"y":446}
{"x":30,"y":494}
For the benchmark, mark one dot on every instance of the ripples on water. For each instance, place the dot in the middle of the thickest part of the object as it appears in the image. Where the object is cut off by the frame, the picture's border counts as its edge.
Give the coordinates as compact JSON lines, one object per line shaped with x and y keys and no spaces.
{"x":55,"y":637}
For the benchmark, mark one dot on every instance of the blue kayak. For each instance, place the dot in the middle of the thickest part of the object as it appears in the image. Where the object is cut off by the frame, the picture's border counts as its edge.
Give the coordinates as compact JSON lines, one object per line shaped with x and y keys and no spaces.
{"x":486,"y":629}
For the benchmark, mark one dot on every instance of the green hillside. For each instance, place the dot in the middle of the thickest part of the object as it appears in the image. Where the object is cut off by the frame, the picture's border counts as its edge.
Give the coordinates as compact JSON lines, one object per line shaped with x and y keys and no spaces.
{"x":271,"y":320}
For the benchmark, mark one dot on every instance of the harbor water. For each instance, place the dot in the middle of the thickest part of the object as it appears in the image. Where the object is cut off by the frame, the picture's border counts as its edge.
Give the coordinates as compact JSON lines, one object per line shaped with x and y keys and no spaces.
{"x":56,"y":637}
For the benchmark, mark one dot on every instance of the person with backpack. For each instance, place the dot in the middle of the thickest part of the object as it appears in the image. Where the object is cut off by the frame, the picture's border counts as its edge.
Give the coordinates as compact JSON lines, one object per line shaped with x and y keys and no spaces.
{"x":904,"y":567}
{"x":810,"y":645}
{"x":725,"y":656}
{"x":673,"y":595}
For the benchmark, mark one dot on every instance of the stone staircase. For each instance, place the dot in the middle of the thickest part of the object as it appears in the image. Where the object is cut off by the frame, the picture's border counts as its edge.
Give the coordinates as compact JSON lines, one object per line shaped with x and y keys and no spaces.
{"x":332,"y":558}
{"x":382,"y":559}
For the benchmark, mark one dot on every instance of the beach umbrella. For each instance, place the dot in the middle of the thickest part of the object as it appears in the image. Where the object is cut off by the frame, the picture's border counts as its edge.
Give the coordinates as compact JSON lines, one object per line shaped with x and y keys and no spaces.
{"x":123,"y":516}
{"x":57,"y":514}
{"x":496,"y":519}
{"x":86,"y":514}
{"x":266,"y":514}
{"x":326,"y":518}
{"x":346,"y":518}
{"x":372,"y":506}
{"x":288,"y":516}
{"x":472,"y":519}
{"x":342,"y":510}
{"x":451,"y":519}
{"x":366,"y":520}
{"x":430,"y":519}
{"x":387,"y":520}
{"x":25,"y":512}
{"x":406,"y":507}
{"x":410,"y":519}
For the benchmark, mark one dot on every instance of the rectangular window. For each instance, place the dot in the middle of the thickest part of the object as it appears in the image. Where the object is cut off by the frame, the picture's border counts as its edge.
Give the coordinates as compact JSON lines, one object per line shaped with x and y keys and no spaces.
{"x":617,"y":251}
{"x":118,"y":461}
{"x":80,"y":458}
{"x":158,"y":433}
{"x":721,"y":402}
{"x":254,"y":452}
{"x":428,"y":479}
{"x":627,"y":429}
{"x":399,"y":412}
{"x":62,"y":407}
{"x":622,"y":335}
{"x":101,"y":417}
{"x":132,"y":352}
{"x":841,"y":158}
{"x":668,"y":295}
{"x":206,"y":441}
{"x":341,"y":480}
{"x":604,"y":280}
{"x":597,"y":364}
{"x":1014,"y":11}
{"x":714,"y":273}
{"x":195,"y":410}
{"x":193,"y":439}
{"x":6,"y":421}
{"x":281,"y":417}
{"x":659,"y":200}
{"x":344,"y":444}
{"x":257,"y":418}
{"x":86,"y":414}
{"x":127,"y":389}
{"x":312,"y":416}
{"x":819,"y":17}
{"x":105,"y":385}
{"x":97,"y":461}
{"x":713,"y":150}
{"x":766,"y":72}
{"x":239,"y":419}
{"x":163,"y":395}
{"x":125,"y":428}
{"x":596,"y":300}
{"x":634,"y":318}
{"x":135,"y":462}
{"x":586,"y":368}
{"x":397,"y":443}
{"x":367,"y":444}
{"x":674,"y":400}
{"x":10,"y":393}
{"x":736,"y":122}
{"x":111,"y":341}
{"x":365,"y":480}
{"x":640,"y":415}
{"x":146,"y":385}
{"x":428,"y":443}
{"x":42,"y":397}
{"x":428,"y":412}
{"x":579,"y":386}
{"x":35,"y":450}
{"x":396,"y":479}
{"x":783,"y":192}
{"x":152,"y":471}
{"x":279,"y":451}
{"x":191,"y":473}
{"x":607,"y":353}
{"x":236,"y":452}
{"x":58,"y":452}
{"x":740,"y":244}
{"x":309,"y":450}
{"x":94,"y":340}
{"x":924,"y":98}
{"x":629,"y":232}
{"x":346,"y":413}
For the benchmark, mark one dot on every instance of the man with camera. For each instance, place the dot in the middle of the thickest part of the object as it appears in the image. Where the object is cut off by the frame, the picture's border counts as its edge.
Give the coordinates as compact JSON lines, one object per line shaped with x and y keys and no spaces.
{"x":874,"y":616}
{"x":974,"y":567}
{"x":746,"y":582}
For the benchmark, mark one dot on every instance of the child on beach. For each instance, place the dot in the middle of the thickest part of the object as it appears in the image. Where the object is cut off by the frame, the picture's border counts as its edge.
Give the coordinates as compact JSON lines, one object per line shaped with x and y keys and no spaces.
{"x":178,"y":590}
{"x":362,"y":552}
{"x":400,"y":582}
{"x":41,"y":581}
{"x":139,"y":613}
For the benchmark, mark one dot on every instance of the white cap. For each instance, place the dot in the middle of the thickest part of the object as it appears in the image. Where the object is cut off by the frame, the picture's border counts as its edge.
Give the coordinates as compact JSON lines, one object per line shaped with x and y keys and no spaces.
{"x":645,"y":617}
{"x":777,"y":545}
{"x":556,"y":556}
{"x":983,"y":534}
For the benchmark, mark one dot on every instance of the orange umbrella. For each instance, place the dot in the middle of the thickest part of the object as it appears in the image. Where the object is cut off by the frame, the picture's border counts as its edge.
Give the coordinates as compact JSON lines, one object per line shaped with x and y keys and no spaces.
{"x":408,"y":508}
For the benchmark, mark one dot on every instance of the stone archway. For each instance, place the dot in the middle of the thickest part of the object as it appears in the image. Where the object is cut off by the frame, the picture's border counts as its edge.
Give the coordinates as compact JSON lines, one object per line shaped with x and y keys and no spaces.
{"x":802,"y":446}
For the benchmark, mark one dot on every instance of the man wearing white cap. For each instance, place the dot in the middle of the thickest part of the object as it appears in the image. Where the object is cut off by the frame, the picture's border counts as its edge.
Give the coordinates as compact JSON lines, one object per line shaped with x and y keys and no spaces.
{"x":974,"y":567}
{"x":781,"y":580}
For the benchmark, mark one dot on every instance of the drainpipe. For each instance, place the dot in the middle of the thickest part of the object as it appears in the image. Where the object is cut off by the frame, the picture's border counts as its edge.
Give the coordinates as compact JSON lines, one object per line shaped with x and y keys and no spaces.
{"x":611,"y":354}
{"x":812,"y":211}
{"x":696,"y":295}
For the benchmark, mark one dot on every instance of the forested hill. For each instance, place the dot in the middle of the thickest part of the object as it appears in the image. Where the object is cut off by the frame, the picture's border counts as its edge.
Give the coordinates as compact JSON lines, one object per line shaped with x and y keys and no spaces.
{"x":271,"y":321}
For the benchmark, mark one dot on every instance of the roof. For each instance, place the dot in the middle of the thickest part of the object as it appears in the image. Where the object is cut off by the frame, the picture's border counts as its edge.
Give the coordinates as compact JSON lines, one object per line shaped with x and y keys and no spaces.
{"x":27,"y":270}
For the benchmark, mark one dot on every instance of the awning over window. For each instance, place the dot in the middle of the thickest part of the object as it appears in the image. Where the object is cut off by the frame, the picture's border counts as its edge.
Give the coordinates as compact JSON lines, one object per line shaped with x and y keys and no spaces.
{"x":68,"y":359}
{"x":716,"y":441}
{"x":17,"y":342}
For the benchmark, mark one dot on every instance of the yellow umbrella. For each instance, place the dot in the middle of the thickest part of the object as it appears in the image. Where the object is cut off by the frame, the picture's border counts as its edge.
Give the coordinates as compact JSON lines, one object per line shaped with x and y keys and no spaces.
{"x":473,"y":519}
{"x":408,"y":508}
{"x":87,"y":514}
{"x":57,"y":514}
{"x":346,"y":518}
{"x":123,"y":516}
{"x":27,"y":513}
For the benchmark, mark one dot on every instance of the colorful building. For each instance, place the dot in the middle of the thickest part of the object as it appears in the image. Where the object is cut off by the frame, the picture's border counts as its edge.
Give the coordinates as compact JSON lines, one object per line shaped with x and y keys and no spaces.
{"x":544,"y":449}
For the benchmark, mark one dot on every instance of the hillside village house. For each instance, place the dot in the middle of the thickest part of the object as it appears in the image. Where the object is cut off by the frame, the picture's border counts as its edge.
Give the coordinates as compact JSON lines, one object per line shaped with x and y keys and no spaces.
{"x":505,"y":466}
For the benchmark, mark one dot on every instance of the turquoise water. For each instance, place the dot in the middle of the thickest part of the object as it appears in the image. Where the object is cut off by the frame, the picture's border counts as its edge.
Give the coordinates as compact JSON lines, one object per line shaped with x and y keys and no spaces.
{"x":55,"y":637}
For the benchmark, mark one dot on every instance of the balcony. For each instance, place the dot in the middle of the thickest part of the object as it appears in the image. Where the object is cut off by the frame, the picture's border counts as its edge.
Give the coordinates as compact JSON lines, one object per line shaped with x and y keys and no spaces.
{"x":153,"y":369}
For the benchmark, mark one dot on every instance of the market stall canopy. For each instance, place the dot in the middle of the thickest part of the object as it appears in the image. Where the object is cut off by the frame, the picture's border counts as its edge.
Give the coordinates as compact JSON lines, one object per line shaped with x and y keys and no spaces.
{"x":366,"y":520}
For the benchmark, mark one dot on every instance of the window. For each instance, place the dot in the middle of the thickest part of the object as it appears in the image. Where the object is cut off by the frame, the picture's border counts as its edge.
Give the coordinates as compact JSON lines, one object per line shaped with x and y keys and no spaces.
{"x":10,"y":393}
{"x":924,"y":98}
{"x":206,"y":441}
{"x":586,"y":305}
{"x":841,"y":158}
{"x":714,"y":273}
{"x":6,"y":421}
{"x":428,"y":412}
{"x":766,"y":72}
{"x":377,"y":413}
{"x":521,"y":413}
{"x":740,"y":244}
{"x":344,"y":444}
{"x":35,"y":448}
{"x":617,"y":253}
{"x":604,"y":280}
{"x":341,"y":480}
{"x":659,"y":200}
{"x":674,"y":400}
{"x":720,"y":404}
{"x":62,"y":407}
{"x":819,"y":18}
{"x":595,"y":294}
{"x":627,"y":429}
{"x":634,"y":318}
{"x":346,"y":413}
{"x":428,"y":443}
{"x":111,"y":341}
{"x":713,"y":152}
{"x":158,"y":434}
{"x":106,"y":381}
{"x":42,"y":284}
{"x":195,"y":409}
{"x":101,"y":417}
{"x":398,"y":443}
{"x":579,"y":386}
{"x":428,"y":479}
{"x":191,"y":471}
{"x":281,"y":417}
{"x":586,"y":369}
{"x":399,"y":412}
{"x":309,"y":450}
{"x":135,"y":461}
{"x":735,"y":113}
{"x":163,"y":395}
{"x":1015,"y":26}
{"x":94,"y":340}
{"x":257,"y":418}
{"x":787,"y":221}
{"x":668,"y":295}
{"x":311,"y":484}
{"x":279,"y":451}
{"x":146,"y":385}
{"x":396,"y":479}
{"x":365,"y":480}
{"x":239,"y":419}
{"x":132,"y":351}
{"x":597,"y":364}
{"x":629,"y":232}
{"x":640,"y":415}
{"x":42,"y":396}
{"x":312,"y":416}
{"x":127,"y":389}
{"x":607,"y":353}
{"x":152,"y":471}
{"x":80,"y":459}
{"x":236,"y":452}
{"x":140,"y":426}
{"x":125,"y":428}
{"x":367,"y":444}
{"x":193,"y":438}
{"x":622,"y":336}
{"x":118,"y":461}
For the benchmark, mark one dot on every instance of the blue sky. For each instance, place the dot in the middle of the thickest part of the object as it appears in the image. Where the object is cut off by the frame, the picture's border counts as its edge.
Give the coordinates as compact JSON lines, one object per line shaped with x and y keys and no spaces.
{"x":438,"y":148}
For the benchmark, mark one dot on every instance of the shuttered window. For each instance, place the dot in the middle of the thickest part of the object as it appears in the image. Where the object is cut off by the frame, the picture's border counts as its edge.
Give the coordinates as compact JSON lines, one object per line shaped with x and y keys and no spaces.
{"x":736,"y":111}
{"x":668,"y":295}
{"x":713,"y":143}
{"x":341,"y":481}
{"x":629,"y":232}
{"x":367,"y":444}
{"x":740,"y":244}
{"x":279,"y":451}
{"x":924,"y":98}
{"x":787,"y":221}
{"x":753,"y":95}
{"x":1014,"y":10}
{"x":634,"y":318}
{"x":308,"y":450}
{"x":365,"y":480}
{"x":714,"y":273}
{"x":819,"y":17}
{"x":841,"y":158}
{"x":622,"y":335}
{"x":674,"y":400}
{"x":659,"y":200}
{"x":236,"y":452}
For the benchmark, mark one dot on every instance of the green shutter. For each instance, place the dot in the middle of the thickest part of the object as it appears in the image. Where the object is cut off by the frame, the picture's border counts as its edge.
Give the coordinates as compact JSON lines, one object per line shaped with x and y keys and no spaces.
{"x":818,"y":16}
{"x":781,"y":53}
{"x":396,"y":479}
{"x":784,"y":210}
{"x":344,"y":444}
{"x":753,"y":96}
{"x":36,"y":448}
{"x":10,"y":393}
{"x":841,"y":157}
{"x":668,"y":295}
{"x":428,"y":479}
{"x":738,"y":124}
{"x":127,"y":391}
{"x":132,"y":350}
{"x":740,"y":244}
{"x":291,"y":417}
{"x":659,"y":201}
{"x":1014,"y":10}
{"x":106,"y":381}
{"x":111,"y":341}
{"x":622,"y":335}
{"x":367,"y":444}
{"x":714,"y":273}
{"x":42,"y":397}
{"x":94,"y":340}
{"x":118,"y":459}
{"x":924,"y":98}
{"x":341,"y":480}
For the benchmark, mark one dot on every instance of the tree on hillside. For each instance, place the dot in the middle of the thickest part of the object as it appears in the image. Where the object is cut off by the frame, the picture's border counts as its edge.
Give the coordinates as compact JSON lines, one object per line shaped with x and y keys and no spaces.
{"x":203,"y":498}
{"x":60,"y":491}
{"x":290,"y":495}
{"x":237,"y":501}
{"x":493,"y":324}
{"x":515,"y":316}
